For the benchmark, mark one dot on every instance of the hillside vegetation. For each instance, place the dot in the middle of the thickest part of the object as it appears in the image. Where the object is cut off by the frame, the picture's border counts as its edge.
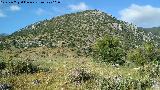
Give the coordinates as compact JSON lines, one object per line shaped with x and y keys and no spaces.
{"x":88,"y":50}
{"x":78,"y":30}
{"x":154,"y":30}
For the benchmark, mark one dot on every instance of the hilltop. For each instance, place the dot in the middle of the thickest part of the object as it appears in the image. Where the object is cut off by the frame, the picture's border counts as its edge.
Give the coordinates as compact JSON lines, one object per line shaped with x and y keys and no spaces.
{"x":79,"y":30}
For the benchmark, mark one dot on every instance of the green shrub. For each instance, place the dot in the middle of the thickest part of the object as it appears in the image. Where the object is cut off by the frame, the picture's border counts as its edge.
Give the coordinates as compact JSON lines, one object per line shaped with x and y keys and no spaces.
{"x":109,"y":50}
{"x":17,"y":67}
{"x":152,"y":70}
{"x":121,"y":83}
{"x":137,"y":56}
{"x":144,"y":54}
{"x":2,"y":64}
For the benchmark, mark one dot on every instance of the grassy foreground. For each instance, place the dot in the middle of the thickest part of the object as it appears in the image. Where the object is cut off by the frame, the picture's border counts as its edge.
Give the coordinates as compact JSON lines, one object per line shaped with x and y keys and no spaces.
{"x":61,"y":63}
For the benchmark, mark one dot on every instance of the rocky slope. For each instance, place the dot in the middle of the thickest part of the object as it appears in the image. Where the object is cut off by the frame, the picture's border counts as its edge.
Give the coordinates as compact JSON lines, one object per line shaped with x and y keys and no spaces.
{"x":79,"y":30}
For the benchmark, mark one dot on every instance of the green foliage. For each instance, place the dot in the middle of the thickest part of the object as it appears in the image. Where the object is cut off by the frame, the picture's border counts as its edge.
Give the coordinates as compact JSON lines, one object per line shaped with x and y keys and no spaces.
{"x":137,"y":56}
{"x":154,"y":30}
{"x":151,"y":52}
{"x":120,"y":83}
{"x":1,"y":47}
{"x":2,"y":64}
{"x":145,"y":54}
{"x":77,"y":30}
{"x":17,"y":67}
{"x":4,"y":46}
{"x":152,"y":70}
{"x":109,"y":50}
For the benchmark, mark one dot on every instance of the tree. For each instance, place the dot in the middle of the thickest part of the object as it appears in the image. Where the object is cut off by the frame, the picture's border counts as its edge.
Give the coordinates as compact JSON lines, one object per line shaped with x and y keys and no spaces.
{"x":109,"y":50}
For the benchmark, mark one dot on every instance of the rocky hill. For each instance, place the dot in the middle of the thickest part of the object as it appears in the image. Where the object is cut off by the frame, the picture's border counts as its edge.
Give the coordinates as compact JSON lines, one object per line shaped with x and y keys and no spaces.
{"x":78,"y":30}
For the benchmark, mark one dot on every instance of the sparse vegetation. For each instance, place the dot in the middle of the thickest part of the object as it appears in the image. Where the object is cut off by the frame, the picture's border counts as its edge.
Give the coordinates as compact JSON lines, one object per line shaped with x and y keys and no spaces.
{"x":120,"y":83}
{"x":62,"y":54}
{"x":17,"y":67}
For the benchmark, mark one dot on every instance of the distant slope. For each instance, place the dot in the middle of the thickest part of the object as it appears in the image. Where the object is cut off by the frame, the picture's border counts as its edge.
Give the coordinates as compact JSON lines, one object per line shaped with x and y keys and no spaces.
{"x":79,"y":30}
{"x":154,"y":30}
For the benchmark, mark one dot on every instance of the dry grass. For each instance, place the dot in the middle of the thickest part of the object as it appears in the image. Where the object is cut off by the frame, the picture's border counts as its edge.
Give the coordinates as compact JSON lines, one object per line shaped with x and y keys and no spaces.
{"x":61,"y":62}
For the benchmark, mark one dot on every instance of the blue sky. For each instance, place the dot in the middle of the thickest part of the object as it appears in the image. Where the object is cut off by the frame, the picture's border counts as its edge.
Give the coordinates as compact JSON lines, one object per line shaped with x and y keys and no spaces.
{"x":144,"y":13}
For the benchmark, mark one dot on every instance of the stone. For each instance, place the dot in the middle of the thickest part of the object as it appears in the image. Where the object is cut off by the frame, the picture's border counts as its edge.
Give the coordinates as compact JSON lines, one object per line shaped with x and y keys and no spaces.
{"x":80,"y":75}
{"x":36,"y":81}
{"x":5,"y":86}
